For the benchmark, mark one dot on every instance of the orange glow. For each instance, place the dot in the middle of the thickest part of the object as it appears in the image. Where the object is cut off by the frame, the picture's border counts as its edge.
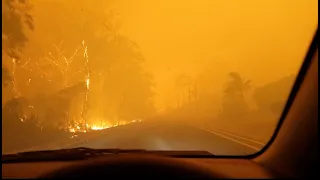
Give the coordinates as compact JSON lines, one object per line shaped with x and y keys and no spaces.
{"x":89,"y":65}
{"x":100,"y":126}
{"x":87,"y":83}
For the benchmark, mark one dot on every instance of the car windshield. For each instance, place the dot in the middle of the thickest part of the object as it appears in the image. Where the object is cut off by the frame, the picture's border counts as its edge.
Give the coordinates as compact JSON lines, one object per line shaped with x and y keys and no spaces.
{"x":196,"y":75}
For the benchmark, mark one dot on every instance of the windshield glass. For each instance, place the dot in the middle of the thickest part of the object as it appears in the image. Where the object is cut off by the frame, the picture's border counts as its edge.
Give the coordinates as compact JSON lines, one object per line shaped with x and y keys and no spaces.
{"x":199,"y":75}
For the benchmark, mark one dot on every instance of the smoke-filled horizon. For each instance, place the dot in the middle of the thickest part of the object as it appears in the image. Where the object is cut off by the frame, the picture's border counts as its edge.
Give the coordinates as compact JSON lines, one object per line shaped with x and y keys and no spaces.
{"x":262,"y":40}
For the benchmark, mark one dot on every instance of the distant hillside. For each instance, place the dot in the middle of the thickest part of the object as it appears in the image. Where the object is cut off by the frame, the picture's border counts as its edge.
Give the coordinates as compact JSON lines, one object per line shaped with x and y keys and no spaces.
{"x":274,"y":93}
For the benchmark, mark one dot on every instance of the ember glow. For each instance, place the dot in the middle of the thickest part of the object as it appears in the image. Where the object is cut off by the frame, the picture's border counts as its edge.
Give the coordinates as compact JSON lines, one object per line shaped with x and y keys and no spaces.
{"x":87,"y":82}
{"x":93,"y":127}
{"x":15,"y":90}
{"x":87,"y":71}
{"x":100,"y":126}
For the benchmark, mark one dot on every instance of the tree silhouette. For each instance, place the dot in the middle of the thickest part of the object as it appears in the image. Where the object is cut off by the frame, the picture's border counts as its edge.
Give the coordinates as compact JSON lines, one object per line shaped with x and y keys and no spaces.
{"x":117,"y":78}
{"x":181,"y":84}
{"x":15,"y":15}
{"x":234,"y":102}
{"x":127,"y":87}
{"x":237,"y":85}
{"x":14,"y":111}
{"x":6,"y":77}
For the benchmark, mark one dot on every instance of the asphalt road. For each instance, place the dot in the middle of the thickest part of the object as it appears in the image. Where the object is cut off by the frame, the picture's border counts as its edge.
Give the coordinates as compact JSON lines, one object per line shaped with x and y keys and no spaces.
{"x":166,"y":135}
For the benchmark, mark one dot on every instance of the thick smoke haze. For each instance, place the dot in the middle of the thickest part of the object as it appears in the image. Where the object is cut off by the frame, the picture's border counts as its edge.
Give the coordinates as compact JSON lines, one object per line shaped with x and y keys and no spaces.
{"x":80,"y":65}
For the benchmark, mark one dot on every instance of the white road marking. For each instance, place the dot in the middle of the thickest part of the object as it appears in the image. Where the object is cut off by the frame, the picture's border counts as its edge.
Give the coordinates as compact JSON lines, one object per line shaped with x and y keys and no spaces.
{"x":229,"y":138}
{"x":241,"y":137}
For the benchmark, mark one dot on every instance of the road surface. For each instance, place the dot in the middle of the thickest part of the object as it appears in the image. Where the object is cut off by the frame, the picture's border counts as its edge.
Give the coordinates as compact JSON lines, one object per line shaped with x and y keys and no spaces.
{"x":166,"y":135}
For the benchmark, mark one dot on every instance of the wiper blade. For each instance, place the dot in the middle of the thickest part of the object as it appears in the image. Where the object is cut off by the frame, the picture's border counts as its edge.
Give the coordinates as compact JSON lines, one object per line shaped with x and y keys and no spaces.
{"x":79,"y":153}
{"x":85,"y":150}
{"x":82,"y":153}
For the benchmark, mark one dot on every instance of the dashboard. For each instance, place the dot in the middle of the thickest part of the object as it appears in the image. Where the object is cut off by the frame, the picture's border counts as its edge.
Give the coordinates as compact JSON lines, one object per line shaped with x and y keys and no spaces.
{"x":222,"y":167}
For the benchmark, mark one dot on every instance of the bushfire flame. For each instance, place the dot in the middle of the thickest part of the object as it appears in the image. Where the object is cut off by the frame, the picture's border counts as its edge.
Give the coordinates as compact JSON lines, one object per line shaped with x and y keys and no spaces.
{"x":81,"y":125}
{"x":97,"y":127}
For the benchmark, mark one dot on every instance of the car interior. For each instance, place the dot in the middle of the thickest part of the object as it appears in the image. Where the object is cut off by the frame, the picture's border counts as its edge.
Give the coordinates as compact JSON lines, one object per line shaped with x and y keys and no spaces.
{"x":291,"y":152}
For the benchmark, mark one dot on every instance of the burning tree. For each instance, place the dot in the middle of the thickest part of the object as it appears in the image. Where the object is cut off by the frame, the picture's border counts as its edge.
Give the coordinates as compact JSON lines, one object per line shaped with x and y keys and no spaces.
{"x":94,"y":76}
